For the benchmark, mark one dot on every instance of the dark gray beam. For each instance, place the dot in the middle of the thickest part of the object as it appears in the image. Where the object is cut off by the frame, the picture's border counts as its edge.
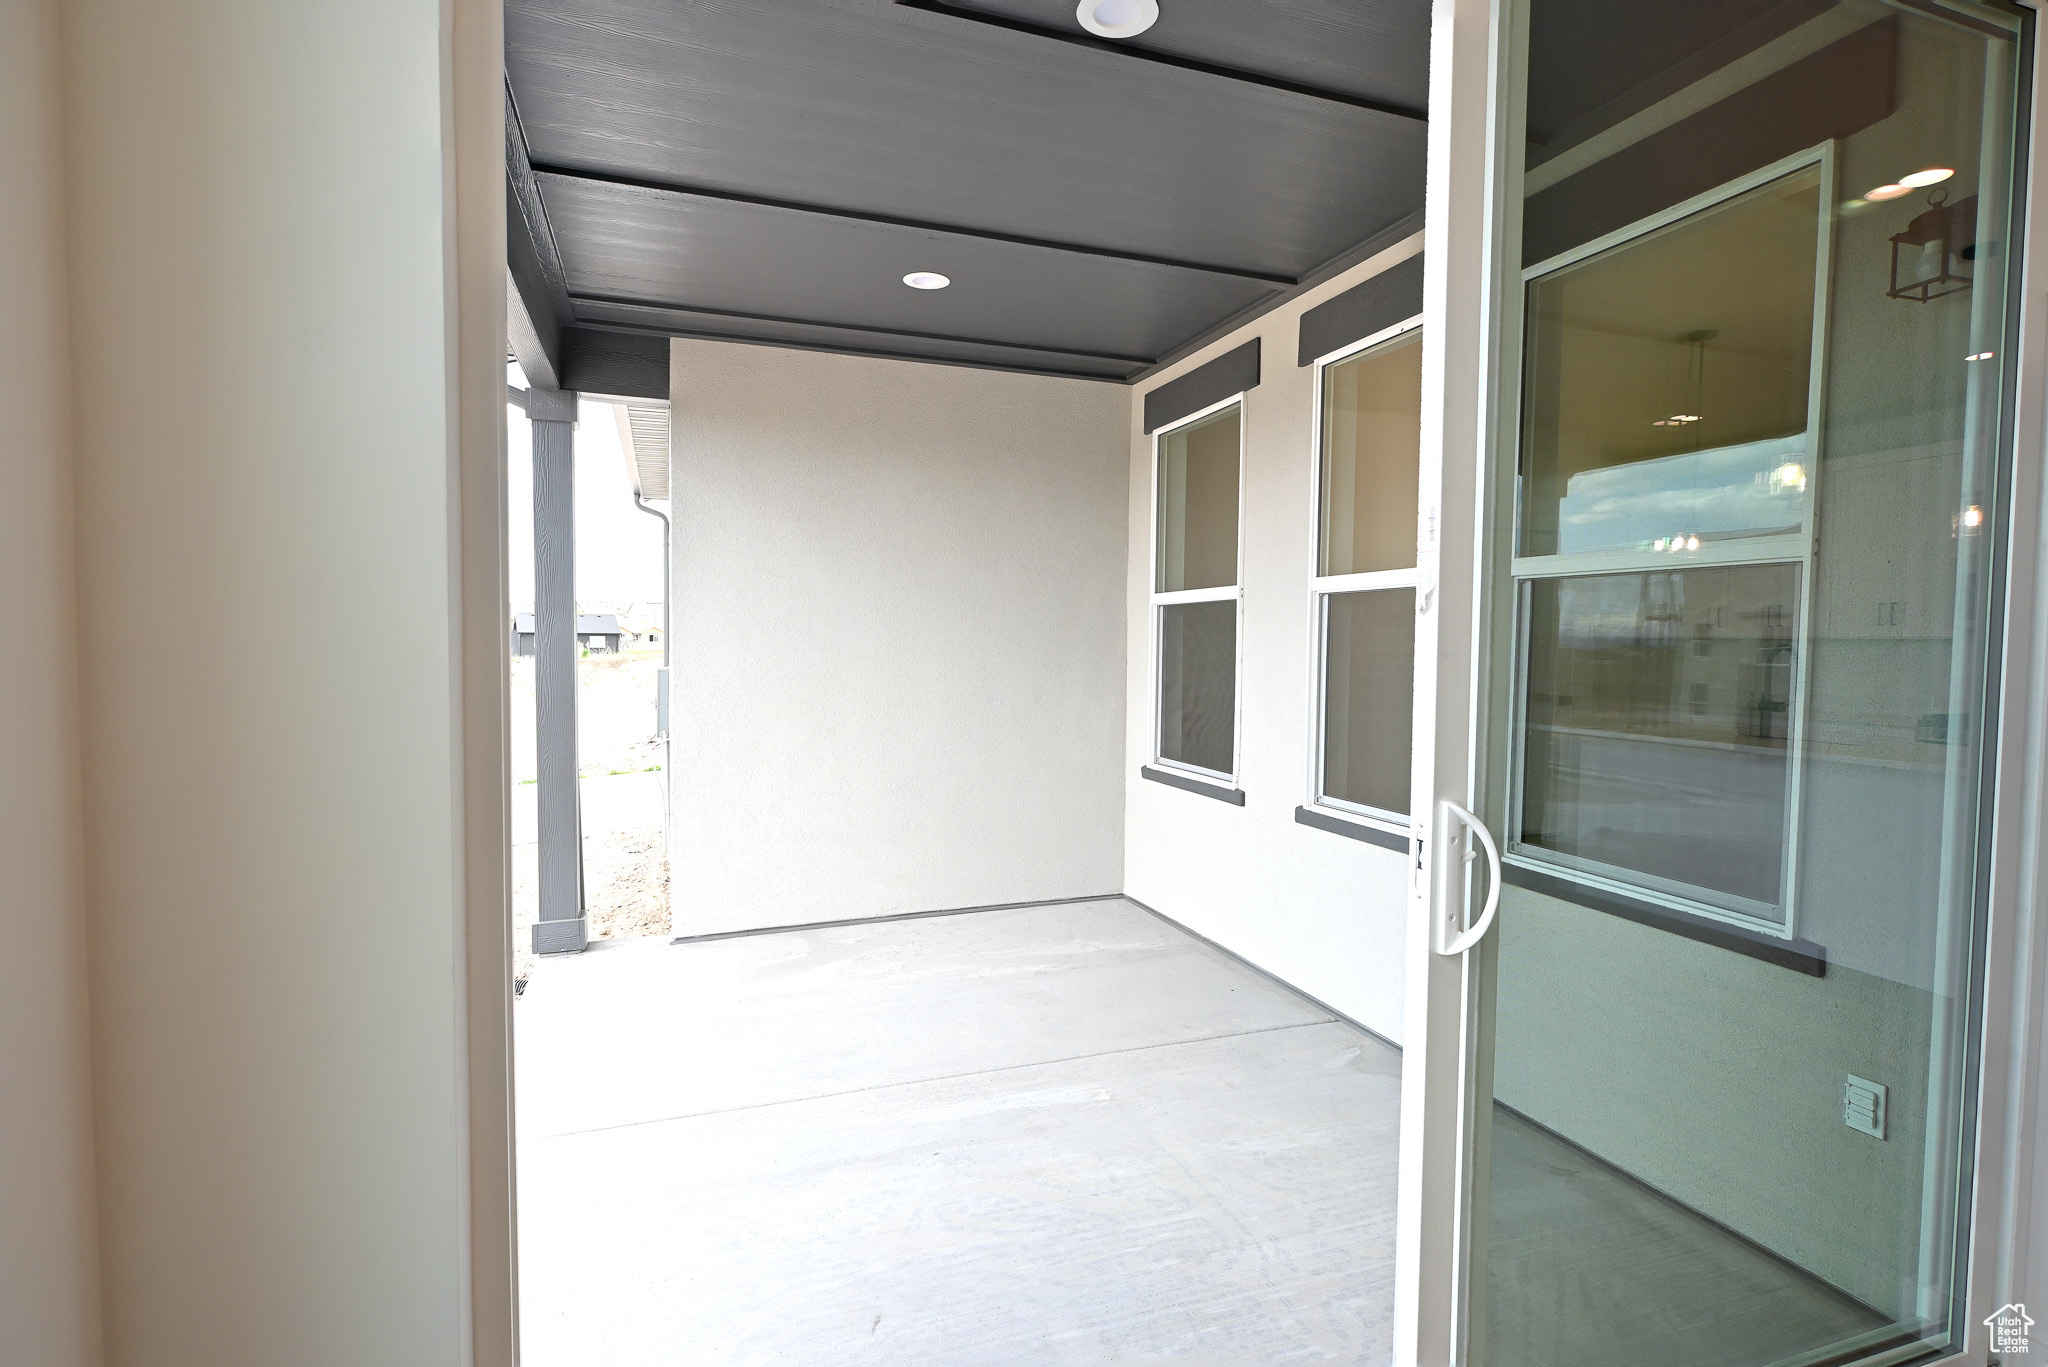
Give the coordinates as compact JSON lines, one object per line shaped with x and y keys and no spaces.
{"x":615,"y":364}
{"x":1372,"y":305}
{"x":963,"y":357}
{"x":1234,"y":372}
{"x":1139,"y":54}
{"x":919,"y":225}
{"x":863,"y":328}
{"x":671,"y":321}
{"x":536,"y":346}
{"x":538,"y":305}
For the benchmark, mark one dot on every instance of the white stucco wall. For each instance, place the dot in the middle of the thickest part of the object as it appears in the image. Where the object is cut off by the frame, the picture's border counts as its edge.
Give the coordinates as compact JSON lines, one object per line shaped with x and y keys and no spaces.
{"x":49,"y":1312}
{"x":898,"y":637}
{"x":1320,"y":910}
{"x":262,"y":310}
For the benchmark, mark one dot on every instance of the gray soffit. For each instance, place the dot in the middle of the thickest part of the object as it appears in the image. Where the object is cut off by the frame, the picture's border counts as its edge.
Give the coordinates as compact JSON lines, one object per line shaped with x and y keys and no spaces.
{"x":1308,"y":47}
{"x":646,"y":429}
{"x":710,"y":254}
{"x":768,"y":172}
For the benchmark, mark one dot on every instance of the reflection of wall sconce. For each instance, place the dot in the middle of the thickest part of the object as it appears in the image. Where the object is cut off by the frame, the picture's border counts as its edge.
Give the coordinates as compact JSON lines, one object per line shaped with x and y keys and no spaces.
{"x":1935,"y":255}
{"x":1789,"y":478}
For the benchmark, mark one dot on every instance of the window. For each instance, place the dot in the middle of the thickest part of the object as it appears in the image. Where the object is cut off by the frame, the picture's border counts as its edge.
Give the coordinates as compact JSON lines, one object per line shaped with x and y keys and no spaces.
{"x":1363,"y":596}
{"x":1664,"y":551}
{"x":1199,"y":470}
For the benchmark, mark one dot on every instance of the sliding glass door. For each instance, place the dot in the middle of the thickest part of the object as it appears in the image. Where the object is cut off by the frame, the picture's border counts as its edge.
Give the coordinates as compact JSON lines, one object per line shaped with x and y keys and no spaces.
{"x":1732,"y":635}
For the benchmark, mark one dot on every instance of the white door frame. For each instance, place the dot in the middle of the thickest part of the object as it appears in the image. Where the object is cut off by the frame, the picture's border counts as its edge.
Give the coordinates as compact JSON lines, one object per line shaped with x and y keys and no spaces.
{"x":1473,"y":206}
{"x":2007,"y":1252}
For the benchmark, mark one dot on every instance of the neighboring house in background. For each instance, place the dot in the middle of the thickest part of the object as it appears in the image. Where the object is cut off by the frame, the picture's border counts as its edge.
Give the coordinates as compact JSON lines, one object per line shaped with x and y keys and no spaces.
{"x":594,"y":631}
{"x":642,"y":624}
{"x":599,"y":631}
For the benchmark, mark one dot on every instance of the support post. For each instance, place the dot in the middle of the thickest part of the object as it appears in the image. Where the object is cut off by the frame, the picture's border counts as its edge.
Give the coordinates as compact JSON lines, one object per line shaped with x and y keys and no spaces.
{"x":561,"y":928}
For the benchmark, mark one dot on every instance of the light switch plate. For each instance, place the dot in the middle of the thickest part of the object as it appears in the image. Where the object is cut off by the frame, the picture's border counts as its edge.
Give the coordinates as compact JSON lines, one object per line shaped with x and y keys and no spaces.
{"x":1863,"y":1105}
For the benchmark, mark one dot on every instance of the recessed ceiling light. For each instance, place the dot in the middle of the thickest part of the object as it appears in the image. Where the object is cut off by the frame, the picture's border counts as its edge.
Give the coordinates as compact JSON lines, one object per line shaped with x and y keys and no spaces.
{"x":927,"y":280}
{"x":1117,"y":18}
{"x":1884,"y":192}
{"x":1933,"y":175}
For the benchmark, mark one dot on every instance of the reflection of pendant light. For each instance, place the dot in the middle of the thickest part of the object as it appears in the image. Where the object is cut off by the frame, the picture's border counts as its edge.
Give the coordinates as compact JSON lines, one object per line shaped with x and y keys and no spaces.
{"x":1698,"y":367}
{"x":1695,"y":382}
{"x":1933,"y":257}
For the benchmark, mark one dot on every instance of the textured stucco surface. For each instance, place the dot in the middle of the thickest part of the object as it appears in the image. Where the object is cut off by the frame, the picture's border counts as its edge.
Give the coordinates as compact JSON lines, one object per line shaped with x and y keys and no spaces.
{"x":898,"y":624}
{"x":1318,"y":909}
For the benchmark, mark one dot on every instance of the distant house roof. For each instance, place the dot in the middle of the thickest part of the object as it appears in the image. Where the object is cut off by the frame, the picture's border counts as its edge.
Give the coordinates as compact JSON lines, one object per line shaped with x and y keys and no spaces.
{"x":587,"y":624}
{"x":640,"y":623}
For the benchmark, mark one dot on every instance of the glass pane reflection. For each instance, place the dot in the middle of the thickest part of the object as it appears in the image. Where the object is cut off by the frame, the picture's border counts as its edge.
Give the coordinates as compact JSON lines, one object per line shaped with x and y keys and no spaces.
{"x":1659,"y":706}
{"x":1670,"y":1174}
{"x":1198,"y":505}
{"x":1372,"y":444}
{"x":1667,"y":381}
{"x":1369,"y":698}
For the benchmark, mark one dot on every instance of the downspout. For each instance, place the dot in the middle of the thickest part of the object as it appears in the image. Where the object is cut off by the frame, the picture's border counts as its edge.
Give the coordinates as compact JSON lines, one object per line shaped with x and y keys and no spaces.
{"x":661,"y":680}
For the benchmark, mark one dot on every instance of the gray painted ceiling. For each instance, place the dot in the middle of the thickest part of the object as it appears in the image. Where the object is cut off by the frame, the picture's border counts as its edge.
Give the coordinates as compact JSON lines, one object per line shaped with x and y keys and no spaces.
{"x":770,"y":169}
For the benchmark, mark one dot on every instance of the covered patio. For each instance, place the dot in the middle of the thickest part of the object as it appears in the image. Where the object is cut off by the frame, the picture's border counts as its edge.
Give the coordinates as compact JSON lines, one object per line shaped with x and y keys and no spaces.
{"x":1353,"y":681}
{"x":1063,"y":530}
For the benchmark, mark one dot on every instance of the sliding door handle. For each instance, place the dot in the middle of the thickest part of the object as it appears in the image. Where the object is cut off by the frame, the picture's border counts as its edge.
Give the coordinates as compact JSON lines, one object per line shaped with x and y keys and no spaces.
{"x":1446,"y":943}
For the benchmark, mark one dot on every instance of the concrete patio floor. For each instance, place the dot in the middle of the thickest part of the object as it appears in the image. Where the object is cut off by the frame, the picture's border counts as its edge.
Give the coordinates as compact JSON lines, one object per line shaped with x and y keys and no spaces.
{"x":1060,"y":1134}
{"x":1054,"y":1134}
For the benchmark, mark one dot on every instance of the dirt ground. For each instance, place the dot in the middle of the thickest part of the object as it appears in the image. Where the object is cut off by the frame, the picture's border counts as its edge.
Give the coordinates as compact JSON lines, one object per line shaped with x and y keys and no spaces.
{"x":625,"y":867}
{"x":625,"y":886}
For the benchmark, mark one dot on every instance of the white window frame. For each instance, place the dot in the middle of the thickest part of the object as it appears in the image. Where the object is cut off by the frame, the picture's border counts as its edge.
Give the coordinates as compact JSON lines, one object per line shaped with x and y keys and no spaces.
{"x":1322,"y":587}
{"x":1794,"y":548}
{"x":1233,"y":592}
